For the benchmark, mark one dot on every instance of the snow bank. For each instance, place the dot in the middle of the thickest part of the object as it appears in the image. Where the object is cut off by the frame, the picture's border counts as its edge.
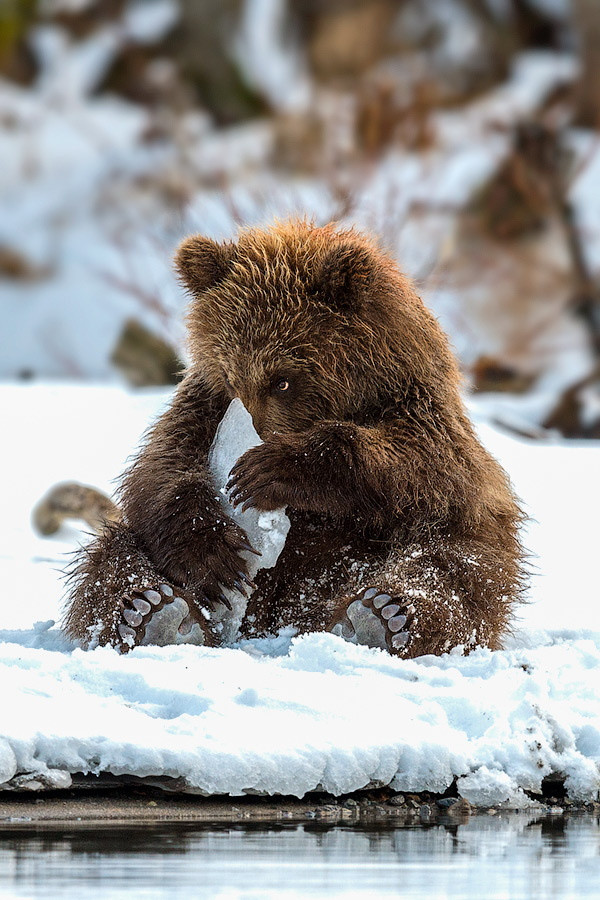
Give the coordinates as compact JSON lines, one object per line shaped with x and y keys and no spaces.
{"x":327,"y":714}
{"x":292,"y":714}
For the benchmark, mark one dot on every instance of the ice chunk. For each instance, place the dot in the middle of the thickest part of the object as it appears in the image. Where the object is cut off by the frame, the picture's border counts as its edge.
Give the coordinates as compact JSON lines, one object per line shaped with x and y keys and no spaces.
{"x":45,"y":780}
{"x":266,"y":531}
{"x":8,"y":762}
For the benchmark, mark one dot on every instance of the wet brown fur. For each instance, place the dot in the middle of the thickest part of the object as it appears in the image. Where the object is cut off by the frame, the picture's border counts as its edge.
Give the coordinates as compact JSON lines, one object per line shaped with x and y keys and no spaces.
{"x":369,"y":448}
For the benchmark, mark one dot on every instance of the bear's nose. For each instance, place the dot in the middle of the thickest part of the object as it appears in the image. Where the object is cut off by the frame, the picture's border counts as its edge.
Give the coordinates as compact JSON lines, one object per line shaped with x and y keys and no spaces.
{"x":258,"y":423}
{"x":257,"y":418}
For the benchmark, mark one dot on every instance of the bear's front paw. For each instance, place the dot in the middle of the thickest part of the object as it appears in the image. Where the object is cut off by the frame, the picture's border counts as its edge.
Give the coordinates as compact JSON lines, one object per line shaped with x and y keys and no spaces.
{"x":222,"y":567}
{"x":265,"y":477}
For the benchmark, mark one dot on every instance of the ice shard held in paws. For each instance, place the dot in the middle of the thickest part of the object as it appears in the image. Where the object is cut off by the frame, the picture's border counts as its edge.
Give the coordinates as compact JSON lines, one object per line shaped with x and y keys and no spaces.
{"x":266,"y":531}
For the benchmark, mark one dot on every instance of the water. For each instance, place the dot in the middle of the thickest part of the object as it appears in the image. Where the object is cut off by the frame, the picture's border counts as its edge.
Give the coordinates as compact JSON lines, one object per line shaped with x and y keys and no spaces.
{"x":503,"y":856}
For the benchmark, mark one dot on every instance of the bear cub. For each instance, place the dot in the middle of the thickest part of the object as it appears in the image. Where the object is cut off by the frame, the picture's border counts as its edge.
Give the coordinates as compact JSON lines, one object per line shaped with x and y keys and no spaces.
{"x":404,"y":530}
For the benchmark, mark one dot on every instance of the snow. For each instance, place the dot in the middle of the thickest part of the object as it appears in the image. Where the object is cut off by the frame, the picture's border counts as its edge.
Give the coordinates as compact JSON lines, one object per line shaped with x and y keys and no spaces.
{"x":586,"y":147}
{"x":294,"y":713}
{"x":270,"y":63}
{"x":325,"y":714}
{"x":554,"y":9}
{"x":147,"y":23}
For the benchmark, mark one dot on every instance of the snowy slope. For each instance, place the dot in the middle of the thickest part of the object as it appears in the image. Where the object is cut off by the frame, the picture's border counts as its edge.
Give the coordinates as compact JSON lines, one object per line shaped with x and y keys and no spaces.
{"x":290,"y":715}
{"x":84,"y":203}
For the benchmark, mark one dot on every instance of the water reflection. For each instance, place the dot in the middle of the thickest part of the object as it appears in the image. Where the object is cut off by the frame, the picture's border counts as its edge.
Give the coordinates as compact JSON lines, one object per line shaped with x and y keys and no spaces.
{"x":503,"y":856}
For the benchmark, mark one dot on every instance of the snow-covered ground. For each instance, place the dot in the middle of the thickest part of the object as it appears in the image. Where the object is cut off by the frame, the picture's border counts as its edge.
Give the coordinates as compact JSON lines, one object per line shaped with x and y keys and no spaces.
{"x":295,"y":713}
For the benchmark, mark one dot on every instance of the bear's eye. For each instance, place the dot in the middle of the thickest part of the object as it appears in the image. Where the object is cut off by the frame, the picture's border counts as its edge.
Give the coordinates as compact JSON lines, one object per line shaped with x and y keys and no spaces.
{"x":281,"y":385}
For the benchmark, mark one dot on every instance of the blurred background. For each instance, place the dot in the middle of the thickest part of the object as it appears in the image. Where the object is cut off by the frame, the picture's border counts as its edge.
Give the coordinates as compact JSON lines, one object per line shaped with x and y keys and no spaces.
{"x":464,"y":133}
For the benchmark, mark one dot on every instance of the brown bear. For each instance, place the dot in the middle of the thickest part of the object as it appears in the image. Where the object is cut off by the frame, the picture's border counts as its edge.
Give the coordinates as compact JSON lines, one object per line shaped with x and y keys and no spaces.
{"x":404,"y":530}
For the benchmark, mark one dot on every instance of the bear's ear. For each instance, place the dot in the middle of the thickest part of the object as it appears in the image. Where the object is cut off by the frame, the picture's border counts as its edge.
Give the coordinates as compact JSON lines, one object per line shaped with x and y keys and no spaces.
{"x":344,"y":277}
{"x":201,"y":262}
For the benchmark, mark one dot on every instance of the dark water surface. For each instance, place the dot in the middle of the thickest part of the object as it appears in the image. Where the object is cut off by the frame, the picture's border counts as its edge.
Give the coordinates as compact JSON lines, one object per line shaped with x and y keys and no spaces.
{"x":503,"y":856}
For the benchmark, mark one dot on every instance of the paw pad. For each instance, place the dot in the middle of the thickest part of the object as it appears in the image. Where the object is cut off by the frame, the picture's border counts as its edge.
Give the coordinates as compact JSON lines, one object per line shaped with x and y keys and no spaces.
{"x":392,"y":614}
{"x":376,"y":619}
{"x":157,"y":617}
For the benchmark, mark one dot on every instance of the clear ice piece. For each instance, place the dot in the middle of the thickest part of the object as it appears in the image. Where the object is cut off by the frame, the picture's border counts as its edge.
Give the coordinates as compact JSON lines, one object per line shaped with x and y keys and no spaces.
{"x":266,"y":531}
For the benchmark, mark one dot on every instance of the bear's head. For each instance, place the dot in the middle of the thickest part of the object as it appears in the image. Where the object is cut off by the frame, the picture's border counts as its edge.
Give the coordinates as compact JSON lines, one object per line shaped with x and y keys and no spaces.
{"x":308,"y":324}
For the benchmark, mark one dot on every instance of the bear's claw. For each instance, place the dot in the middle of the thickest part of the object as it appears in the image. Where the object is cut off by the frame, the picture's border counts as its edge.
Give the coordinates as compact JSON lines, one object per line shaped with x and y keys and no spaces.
{"x":377,"y":619}
{"x":394,"y":616}
{"x":140,"y":608}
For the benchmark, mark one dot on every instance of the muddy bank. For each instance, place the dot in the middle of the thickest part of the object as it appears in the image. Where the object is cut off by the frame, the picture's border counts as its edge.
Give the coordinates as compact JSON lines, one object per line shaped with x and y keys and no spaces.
{"x":114,"y":802}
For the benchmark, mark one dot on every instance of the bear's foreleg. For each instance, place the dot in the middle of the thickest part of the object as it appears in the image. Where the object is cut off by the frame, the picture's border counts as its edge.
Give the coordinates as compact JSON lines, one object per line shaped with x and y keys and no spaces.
{"x":174,"y":532}
{"x":172,"y":506}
